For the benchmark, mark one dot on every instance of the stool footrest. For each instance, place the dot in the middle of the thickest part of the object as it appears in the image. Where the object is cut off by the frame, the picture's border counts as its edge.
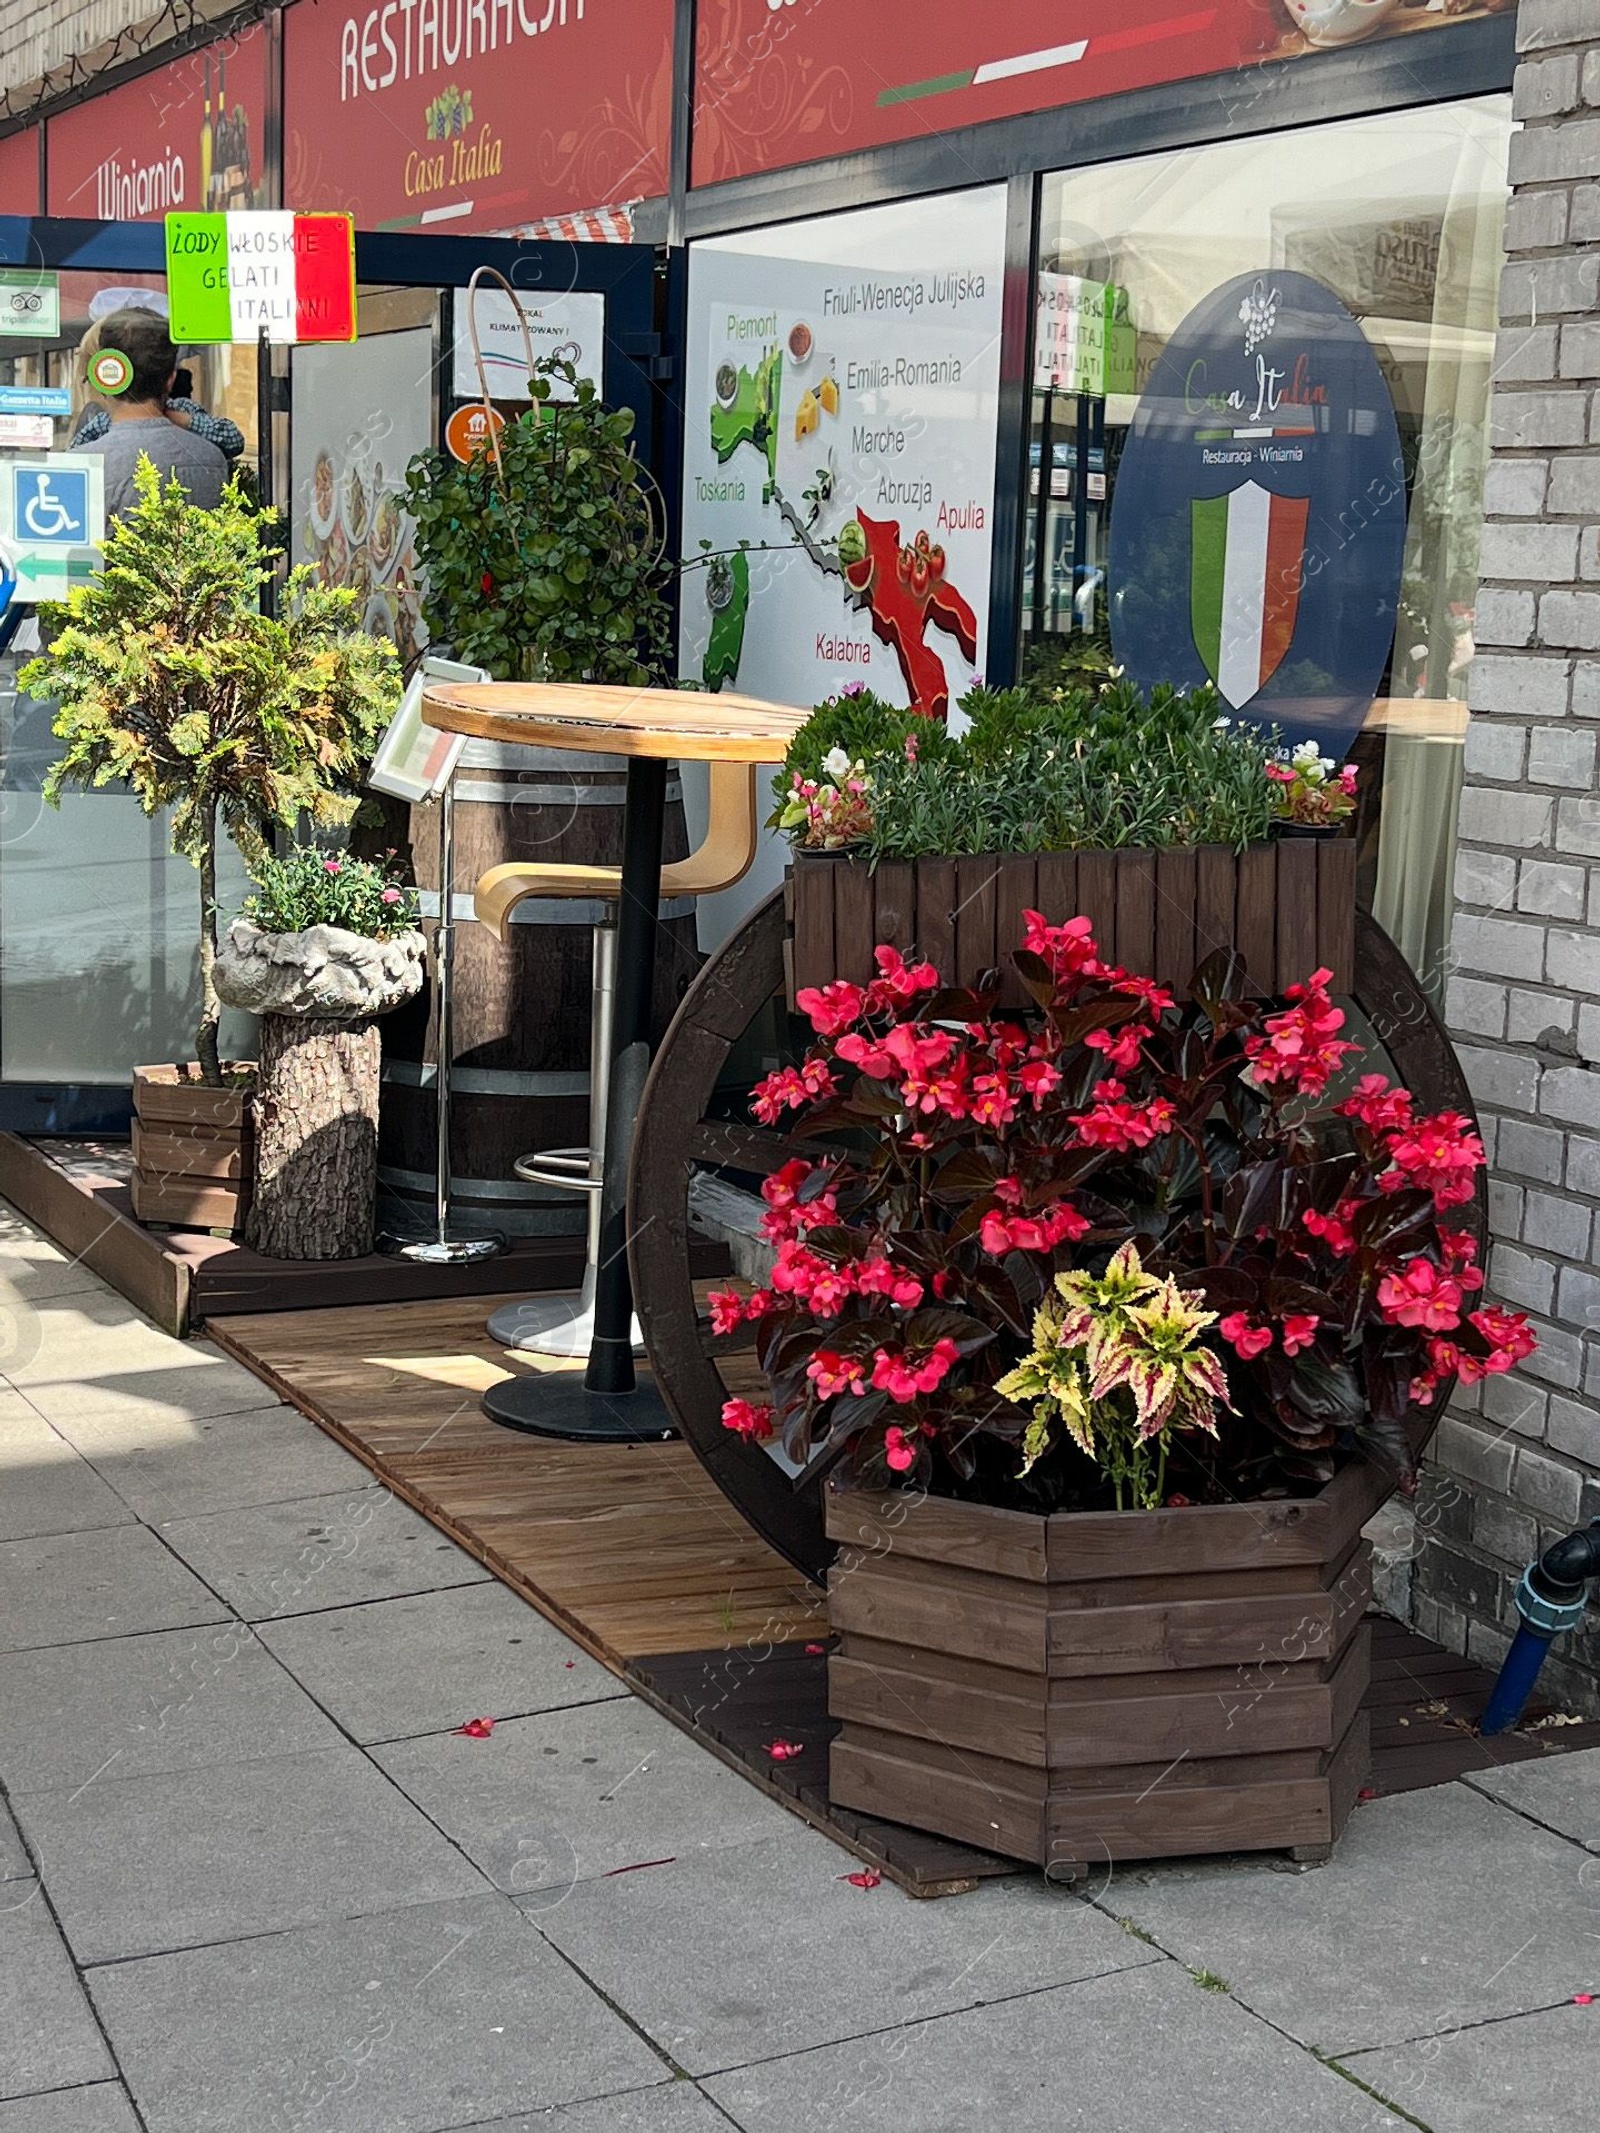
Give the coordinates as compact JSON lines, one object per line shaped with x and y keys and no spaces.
{"x":568,"y":1169}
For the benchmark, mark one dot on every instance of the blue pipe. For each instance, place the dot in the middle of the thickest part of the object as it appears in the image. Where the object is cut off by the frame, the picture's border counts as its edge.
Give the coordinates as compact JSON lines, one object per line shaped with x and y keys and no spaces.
{"x":1510,"y":1694}
{"x":1551,"y":1599}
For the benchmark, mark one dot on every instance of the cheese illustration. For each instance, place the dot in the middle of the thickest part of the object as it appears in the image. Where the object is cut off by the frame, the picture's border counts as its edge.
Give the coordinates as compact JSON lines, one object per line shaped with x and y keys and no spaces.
{"x":828,"y":394}
{"x":807,"y":416}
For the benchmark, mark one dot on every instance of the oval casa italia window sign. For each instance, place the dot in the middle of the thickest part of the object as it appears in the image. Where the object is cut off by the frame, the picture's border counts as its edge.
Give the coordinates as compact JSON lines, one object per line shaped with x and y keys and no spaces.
{"x":1258,"y":519}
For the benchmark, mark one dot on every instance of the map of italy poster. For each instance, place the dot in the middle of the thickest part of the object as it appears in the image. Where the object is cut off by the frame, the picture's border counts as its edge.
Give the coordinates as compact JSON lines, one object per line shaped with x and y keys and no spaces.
{"x":841,"y":403}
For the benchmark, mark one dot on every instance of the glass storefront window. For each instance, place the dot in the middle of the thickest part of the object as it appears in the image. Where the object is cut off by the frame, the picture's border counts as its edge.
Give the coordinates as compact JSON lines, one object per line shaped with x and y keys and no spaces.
{"x":1401,"y":217}
{"x":98,"y":920}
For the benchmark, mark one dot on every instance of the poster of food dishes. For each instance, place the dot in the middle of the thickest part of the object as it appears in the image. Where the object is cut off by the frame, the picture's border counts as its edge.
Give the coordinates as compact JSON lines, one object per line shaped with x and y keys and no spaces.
{"x":361,"y":411}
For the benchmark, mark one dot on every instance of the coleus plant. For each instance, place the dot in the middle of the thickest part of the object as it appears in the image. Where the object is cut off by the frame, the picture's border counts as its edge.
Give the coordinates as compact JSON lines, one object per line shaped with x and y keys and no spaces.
{"x":957,"y":1293}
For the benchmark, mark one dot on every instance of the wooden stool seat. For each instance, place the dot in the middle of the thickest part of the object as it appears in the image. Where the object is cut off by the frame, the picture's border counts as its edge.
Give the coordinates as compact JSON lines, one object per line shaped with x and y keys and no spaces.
{"x":725,"y":857}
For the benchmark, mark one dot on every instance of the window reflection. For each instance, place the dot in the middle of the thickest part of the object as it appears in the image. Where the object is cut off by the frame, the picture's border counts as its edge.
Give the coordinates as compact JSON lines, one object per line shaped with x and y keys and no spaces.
{"x":1401,"y":217}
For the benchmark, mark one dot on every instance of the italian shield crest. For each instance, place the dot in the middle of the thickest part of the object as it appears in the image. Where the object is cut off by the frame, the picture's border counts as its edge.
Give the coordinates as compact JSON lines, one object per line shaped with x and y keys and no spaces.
{"x":1245,"y":574}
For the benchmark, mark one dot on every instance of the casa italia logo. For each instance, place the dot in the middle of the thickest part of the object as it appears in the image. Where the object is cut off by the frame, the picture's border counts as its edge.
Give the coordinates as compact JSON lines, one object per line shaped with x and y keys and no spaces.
{"x":1258,"y":515}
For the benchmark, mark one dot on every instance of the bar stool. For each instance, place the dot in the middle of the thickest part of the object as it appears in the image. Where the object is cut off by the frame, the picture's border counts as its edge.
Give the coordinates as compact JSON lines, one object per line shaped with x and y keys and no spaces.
{"x":563,"y":1325}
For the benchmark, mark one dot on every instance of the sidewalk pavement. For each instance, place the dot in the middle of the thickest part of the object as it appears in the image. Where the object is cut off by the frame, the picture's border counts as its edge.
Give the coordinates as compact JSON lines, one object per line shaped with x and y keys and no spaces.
{"x":252,"y":1880}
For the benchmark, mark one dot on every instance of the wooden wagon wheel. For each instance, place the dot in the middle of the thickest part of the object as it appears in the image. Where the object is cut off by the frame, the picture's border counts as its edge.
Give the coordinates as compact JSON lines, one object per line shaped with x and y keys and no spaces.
{"x":677,"y":1134}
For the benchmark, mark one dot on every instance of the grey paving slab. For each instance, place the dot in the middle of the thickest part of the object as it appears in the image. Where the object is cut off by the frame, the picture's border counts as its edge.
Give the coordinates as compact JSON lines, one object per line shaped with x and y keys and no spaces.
{"x":15,"y":1864}
{"x":48,"y":2036}
{"x":66,"y":1588}
{"x":134,"y":1705}
{"x":1144,"y":2049}
{"x":145,"y":1865}
{"x":185,"y":1466}
{"x":45,"y":1487}
{"x":547,"y":1801}
{"x":90,"y":1352}
{"x":424,"y":2018}
{"x":675,"y":2107}
{"x":1540,"y":2071}
{"x":1437,"y":1908}
{"x":430,"y":1661}
{"x":27,"y":1279}
{"x":20,"y":1418}
{"x":1562,"y":1793}
{"x":774,"y":1951}
{"x":103,"y":2108}
{"x":320,"y":1552}
{"x":118,"y":1392}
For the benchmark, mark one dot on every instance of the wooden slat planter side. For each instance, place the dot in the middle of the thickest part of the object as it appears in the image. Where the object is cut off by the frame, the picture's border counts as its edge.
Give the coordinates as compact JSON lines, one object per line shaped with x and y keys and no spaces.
{"x":1288,"y":907}
{"x":193,"y":1149}
{"x":1145,"y":1683}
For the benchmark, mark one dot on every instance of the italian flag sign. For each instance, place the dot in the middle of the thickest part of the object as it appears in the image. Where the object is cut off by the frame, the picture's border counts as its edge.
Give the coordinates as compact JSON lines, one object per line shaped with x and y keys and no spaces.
{"x":1244,"y":584}
{"x":231,"y":277}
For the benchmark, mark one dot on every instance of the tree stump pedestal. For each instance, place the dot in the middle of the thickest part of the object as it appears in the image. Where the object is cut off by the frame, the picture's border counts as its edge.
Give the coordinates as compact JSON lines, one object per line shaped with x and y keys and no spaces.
{"x":318,"y":993}
{"x":316,"y":1116}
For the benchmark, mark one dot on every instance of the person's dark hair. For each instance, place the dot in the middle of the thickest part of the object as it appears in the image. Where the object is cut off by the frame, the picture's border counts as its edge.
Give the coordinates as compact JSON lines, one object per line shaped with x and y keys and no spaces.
{"x":144,"y":340}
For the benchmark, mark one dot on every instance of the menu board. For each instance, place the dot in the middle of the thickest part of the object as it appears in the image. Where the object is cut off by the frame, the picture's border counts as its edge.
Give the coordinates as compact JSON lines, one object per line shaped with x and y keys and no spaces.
{"x":362,"y":411}
{"x":839,"y":460}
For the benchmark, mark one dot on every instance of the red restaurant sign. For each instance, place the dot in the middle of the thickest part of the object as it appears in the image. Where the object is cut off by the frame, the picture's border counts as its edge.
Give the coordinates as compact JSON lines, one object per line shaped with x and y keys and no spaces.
{"x":475,"y":114}
{"x":784,"y":81}
{"x":19,"y":173}
{"x":189,"y":135}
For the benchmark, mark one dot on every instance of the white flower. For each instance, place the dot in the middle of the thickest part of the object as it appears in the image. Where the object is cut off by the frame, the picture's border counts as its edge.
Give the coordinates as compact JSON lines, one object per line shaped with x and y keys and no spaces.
{"x":836,"y":763}
{"x":1221,"y":725}
{"x":1306,"y":754}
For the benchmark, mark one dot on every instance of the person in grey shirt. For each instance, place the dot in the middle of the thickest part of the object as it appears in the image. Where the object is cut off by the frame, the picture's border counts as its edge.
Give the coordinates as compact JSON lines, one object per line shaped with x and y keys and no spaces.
{"x":140,"y":428}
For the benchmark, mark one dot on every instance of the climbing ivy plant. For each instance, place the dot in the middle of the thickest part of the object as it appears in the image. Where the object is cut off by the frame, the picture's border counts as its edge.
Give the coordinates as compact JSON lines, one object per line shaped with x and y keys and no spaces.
{"x":546,"y":564}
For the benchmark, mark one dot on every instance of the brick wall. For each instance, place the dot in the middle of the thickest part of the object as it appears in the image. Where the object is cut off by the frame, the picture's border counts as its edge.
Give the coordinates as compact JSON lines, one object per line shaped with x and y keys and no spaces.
{"x":1518,"y":1461}
{"x":38,"y":35}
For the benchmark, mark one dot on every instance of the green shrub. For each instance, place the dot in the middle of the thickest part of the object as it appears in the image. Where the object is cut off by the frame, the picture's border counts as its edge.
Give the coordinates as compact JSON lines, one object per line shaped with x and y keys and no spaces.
{"x":306,"y":886}
{"x":1045,"y":770}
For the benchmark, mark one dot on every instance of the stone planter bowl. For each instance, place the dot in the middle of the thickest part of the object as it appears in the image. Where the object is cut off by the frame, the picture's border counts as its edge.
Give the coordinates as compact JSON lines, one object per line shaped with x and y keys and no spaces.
{"x":323,"y":972}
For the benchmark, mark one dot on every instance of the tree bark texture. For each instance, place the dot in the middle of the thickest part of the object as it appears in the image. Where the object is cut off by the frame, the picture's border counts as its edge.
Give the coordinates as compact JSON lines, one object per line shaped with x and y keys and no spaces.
{"x":316,"y":1138}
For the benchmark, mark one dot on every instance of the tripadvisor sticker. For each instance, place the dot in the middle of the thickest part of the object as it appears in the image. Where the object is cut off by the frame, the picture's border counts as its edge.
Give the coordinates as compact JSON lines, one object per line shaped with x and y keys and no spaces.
{"x":110,"y":371}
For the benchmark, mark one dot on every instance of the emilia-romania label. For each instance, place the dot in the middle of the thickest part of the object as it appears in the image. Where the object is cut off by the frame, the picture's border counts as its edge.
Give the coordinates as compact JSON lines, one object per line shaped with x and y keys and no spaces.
{"x":232,"y":276}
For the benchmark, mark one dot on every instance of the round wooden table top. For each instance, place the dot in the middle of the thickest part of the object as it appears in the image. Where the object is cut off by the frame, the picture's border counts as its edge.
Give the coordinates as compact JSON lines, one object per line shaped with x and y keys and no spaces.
{"x":684,"y":724}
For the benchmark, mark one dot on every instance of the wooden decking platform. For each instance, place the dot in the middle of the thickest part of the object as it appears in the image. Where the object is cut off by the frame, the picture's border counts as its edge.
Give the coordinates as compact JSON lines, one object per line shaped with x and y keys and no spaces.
{"x":640,"y":1558}
{"x":77,"y":1192}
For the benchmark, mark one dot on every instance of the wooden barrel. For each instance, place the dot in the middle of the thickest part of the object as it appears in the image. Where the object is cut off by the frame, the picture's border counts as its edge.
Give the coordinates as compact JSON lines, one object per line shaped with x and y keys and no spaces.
{"x":521,"y":1075}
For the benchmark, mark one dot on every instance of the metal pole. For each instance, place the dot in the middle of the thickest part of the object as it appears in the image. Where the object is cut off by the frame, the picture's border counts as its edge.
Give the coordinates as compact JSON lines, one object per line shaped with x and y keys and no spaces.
{"x":443,"y":1249}
{"x":264,"y":483}
{"x":611,"y":1357}
{"x":445,"y":1049}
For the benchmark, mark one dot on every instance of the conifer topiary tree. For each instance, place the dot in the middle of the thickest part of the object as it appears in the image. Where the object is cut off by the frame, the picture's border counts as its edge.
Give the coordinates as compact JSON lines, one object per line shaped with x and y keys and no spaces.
{"x":170,"y":680}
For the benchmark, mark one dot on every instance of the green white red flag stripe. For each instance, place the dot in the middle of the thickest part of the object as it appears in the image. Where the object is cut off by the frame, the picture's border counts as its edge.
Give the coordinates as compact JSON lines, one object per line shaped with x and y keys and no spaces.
{"x":1047,"y":57}
{"x":231,"y":275}
{"x":1244,"y":586}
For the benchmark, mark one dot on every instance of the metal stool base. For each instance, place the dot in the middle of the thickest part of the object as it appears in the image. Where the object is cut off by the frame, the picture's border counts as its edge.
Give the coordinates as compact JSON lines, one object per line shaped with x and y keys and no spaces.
{"x":445,"y":1251}
{"x":560,"y":1325}
{"x":556,"y":1404}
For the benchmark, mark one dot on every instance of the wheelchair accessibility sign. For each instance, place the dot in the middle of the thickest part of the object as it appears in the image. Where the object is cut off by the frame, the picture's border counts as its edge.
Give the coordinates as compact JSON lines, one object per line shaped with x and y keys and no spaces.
{"x":52,"y":520}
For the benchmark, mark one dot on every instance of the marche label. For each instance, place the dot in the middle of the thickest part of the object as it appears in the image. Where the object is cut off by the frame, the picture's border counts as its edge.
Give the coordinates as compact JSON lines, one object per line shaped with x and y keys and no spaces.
{"x":231,"y":277}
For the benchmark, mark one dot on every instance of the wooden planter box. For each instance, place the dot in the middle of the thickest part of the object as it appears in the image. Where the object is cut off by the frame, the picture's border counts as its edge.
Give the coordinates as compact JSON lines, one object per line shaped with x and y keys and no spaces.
{"x":1124,"y":1685}
{"x":1288,"y":907}
{"x":193,"y":1154}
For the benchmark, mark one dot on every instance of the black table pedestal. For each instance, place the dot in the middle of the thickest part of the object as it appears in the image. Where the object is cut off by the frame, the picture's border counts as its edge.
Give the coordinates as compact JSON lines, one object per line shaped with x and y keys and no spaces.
{"x":612,"y":1406}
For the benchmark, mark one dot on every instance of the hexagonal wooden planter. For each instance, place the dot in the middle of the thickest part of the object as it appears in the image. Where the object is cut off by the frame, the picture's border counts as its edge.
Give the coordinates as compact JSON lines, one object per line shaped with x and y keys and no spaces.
{"x":1104,"y":1685}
